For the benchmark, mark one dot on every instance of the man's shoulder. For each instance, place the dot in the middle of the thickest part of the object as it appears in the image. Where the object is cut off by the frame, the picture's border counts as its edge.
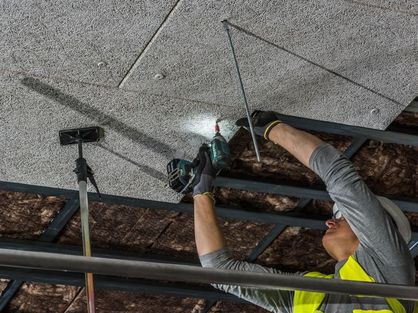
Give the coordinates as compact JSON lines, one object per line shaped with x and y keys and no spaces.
{"x":401,"y":270}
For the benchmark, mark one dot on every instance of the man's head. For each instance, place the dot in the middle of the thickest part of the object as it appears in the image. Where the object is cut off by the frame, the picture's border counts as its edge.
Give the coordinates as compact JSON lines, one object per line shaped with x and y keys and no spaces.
{"x":339,"y":240}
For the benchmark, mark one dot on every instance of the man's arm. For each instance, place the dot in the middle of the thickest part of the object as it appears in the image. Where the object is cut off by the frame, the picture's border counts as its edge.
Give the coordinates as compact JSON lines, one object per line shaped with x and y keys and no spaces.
{"x":358,"y":204}
{"x":208,"y":235}
{"x":212,"y":249}
{"x":299,"y":143}
{"x":213,"y":253}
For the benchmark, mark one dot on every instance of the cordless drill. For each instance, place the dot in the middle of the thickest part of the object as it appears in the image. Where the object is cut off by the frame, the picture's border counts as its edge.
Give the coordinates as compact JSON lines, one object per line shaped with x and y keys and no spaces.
{"x":182,"y":172}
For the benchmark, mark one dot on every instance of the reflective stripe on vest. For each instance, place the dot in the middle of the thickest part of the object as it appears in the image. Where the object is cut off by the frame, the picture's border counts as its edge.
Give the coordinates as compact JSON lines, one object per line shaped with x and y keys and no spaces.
{"x":310,"y":302}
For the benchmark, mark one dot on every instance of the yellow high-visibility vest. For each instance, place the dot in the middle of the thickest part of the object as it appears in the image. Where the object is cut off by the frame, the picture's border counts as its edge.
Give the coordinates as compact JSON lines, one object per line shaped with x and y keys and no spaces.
{"x":310,"y":302}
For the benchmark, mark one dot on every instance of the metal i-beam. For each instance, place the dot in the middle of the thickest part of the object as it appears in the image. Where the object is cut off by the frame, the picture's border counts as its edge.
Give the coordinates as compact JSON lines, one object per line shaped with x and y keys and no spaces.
{"x":355,"y":146}
{"x":407,"y":205}
{"x":413,"y":248}
{"x":93,"y":197}
{"x":195,"y":274}
{"x":265,"y":242}
{"x":413,"y":107}
{"x":50,"y":234}
{"x":224,"y":212}
{"x":61,"y":219}
{"x":347,"y":130}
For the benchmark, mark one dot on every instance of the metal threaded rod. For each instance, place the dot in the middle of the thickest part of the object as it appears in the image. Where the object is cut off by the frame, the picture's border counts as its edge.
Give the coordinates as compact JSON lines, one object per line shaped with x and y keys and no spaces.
{"x":244,"y":97}
{"x":195,"y":274}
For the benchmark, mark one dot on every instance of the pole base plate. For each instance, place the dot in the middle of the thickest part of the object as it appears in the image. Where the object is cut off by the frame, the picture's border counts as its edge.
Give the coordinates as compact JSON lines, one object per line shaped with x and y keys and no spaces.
{"x":75,"y":135}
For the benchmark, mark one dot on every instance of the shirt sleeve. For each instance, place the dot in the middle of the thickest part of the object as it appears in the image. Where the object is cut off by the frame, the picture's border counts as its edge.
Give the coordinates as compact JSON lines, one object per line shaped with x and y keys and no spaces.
{"x":361,"y":208}
{"x":272,"y":300}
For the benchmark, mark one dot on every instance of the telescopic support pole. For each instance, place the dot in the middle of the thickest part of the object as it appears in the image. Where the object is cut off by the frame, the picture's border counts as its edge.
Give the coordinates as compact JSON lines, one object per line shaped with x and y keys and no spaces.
{"x":82,"y":174}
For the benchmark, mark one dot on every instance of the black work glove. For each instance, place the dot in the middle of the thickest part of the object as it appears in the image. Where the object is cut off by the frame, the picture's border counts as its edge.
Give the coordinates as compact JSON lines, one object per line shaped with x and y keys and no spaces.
{"x":205,"y":173}
{"x":263,"y":123}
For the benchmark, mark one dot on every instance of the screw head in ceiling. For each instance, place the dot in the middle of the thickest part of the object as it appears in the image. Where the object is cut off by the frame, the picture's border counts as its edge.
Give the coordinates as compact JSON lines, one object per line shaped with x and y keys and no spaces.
{"x":159,"y":76}
{"x":375,"y":111}
{"x":101,"y":64}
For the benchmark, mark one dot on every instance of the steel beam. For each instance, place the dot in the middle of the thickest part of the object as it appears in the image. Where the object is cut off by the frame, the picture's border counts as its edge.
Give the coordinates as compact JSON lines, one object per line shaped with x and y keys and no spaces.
{"x":301,"y":220}
{"x":347,"y":130}
{"x":355,"y":146}
{"x":58,"y":223}
{"x":93,"y":197}
{"x":413,"y":248}
{"x":407,"y":205}
{"x":8,"y":293}
{"x":413,"y":107}
{"x":265,"y":242}
{"x":225,"y":212}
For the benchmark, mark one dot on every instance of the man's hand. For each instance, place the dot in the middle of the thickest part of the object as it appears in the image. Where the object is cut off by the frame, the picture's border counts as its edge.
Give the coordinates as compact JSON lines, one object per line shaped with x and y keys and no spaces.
{"x":205,"y":173}
{"x":299,"y":143}
{"x":263,"y":122}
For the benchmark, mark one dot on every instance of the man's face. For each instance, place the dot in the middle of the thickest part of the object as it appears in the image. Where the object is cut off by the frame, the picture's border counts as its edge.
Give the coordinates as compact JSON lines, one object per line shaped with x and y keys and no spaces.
{"x":339,"y":240}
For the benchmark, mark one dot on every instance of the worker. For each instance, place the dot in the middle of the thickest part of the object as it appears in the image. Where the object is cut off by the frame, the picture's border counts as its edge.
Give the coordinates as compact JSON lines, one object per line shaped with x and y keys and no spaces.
{"x":367,"y":235}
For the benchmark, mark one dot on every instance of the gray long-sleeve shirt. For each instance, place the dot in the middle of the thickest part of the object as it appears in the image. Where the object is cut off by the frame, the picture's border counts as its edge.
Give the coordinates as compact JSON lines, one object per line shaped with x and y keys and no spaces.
{"x":382,"y":252}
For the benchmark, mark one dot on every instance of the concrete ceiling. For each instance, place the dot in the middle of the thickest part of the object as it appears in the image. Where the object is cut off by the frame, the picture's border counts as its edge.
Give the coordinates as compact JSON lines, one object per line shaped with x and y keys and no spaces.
{"x":72,"y":64}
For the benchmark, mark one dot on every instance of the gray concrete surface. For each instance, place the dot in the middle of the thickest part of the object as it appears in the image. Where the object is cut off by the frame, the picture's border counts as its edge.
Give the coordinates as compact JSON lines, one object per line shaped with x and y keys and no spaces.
{"x":50,"y":78}
{"x":407,"y":6}
{"x":373,"y":47}
{"x":142,"y":133}
{"x":78,"y":40}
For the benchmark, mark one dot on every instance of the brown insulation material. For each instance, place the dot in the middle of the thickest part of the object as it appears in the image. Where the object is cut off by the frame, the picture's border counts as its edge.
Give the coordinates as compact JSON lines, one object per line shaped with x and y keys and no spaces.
{"x":276,"y":163}
{"x":298,"y":249}
{"x":408,"y":120}
{"x":3,"y":284}
{"x":224,"y":307}
{"x":121,"y":227}
{"x":319,"y":207}
{"x":119,"y":301}
{"x":25,"y":216}
{"x":178,"y":239}
{"x":43,"y":298}
{"x":413,"y":218}
{"x":242,"y":237}
{"x":262,"y":202}
{"x":389,"y":168}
